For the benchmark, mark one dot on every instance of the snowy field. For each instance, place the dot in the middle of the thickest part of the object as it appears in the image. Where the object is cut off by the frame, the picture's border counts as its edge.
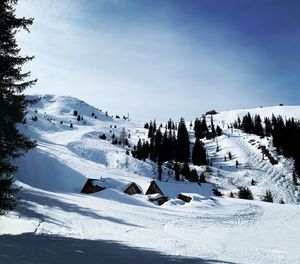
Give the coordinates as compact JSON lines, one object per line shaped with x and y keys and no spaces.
{"x":58,"y":224}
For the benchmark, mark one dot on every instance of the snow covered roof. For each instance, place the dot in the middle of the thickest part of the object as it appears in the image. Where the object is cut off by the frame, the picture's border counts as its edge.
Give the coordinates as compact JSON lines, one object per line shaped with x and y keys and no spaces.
{"x":172,"y":189}
{"x":111,"y":183}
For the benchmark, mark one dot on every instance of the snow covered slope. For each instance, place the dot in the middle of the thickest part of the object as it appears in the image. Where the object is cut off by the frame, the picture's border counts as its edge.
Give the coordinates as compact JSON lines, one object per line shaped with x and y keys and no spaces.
{"x":285,"y":111}
{"x":206,"y":230}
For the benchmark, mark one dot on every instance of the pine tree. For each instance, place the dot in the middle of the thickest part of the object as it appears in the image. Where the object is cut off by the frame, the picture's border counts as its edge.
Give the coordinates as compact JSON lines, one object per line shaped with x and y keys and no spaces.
{"x":268,"y":197}
{"x":177,"y":171}
{"x":268,"y":127}
{"x":202,"y":178}
{"x":159,"y":169}
{"x":239,"y":122}
{"x":13,"y":104}
{"x":194,"y":177}
{"x":183,"y":142}
{"x":185,"y":171}
{"x":258,"y":128}
{"x":199,"y":154}
{"x":213,"y":130}
{"x":218,"y":131}
{"x":245,"y":193}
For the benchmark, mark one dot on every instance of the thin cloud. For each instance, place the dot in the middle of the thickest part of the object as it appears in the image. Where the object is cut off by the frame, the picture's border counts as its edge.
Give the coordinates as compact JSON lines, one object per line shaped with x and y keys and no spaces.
{"x":153,"y":62}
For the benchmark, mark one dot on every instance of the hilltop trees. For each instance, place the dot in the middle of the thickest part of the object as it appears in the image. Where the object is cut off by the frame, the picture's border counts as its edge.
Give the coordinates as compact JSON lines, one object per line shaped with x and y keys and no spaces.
{"x":12,"y":102}
{"x":286,"y":135}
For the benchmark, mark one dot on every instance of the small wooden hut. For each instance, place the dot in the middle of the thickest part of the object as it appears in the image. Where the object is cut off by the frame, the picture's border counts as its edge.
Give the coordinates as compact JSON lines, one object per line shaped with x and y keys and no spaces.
{"x":133,"y":188}
{"x":155,"y":194}
{"x":91,"y":186}
{"x":153,"y":188}
{"x":158,"y":199}
{"x":211,"y":112}
{"x":184,"y":198}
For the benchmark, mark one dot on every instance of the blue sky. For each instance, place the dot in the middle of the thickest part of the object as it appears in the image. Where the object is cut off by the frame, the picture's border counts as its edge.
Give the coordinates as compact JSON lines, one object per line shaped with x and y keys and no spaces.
{"x":166,"y":58}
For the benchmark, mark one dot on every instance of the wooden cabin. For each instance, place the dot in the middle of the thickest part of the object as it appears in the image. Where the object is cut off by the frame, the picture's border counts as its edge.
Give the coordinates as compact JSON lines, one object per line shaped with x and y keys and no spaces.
{"x":153,"y":188}
{"x":158,"y":199}
{"x":159,"y":191}
{"x":155,"y":194}
{"x":133,"y":188}
{"x":211,"y":112}
{"x":91,"y":186}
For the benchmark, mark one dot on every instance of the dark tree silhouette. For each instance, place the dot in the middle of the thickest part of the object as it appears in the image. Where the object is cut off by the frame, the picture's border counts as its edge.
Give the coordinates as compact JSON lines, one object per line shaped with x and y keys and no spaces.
{"x":13,"y":103}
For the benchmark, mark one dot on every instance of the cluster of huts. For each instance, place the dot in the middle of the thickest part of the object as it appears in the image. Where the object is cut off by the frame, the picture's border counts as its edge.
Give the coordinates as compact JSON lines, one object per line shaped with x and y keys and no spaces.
{"x":158,"y":192}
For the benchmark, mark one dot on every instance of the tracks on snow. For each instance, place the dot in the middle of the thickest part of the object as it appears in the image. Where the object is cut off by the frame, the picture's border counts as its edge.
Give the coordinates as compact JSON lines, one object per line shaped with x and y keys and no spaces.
{"x":276,"y":176}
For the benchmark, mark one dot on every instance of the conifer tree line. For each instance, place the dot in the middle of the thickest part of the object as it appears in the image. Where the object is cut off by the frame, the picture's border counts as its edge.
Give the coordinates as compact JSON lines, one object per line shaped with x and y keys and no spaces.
{"x":286,"y":134}
{"x":172,"y":143}
{"x":12,"y":102}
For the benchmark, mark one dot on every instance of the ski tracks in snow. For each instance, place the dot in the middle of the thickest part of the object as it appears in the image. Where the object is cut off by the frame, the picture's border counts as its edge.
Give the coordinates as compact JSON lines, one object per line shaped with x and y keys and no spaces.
{"x":270,"y":173}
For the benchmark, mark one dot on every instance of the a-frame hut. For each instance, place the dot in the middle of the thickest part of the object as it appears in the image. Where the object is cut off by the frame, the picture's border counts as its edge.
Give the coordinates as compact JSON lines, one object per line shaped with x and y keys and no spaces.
{"x":155,"y":194}
{"x":153,"y":188}
{"x":91,"y":186}
{"x":133,"y":188}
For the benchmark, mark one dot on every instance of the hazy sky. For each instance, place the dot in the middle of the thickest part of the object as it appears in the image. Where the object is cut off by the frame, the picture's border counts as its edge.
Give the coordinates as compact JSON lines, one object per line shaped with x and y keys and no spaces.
{"x":165,"y":58}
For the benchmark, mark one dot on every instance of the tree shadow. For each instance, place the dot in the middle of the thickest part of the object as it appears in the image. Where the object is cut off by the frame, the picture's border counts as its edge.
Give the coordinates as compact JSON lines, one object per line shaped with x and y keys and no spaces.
{"x":35,"y":249}
{"x":28,"y":208}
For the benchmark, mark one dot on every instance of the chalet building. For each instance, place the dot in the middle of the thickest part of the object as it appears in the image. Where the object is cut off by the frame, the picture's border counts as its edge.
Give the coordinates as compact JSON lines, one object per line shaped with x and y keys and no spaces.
{"x":211,"y":112}
{"x":133,"y":188}
{"x":91,"y":186}
{"x":160,"y":192}
{"x":153,"y":188}
{"x":155,"y":194}
{"x":96,"y":185}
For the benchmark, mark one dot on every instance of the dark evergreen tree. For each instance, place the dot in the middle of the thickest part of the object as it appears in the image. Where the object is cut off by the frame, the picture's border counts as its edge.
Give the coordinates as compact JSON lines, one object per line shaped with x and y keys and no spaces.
{"x":245,"y":193}
{"x":204,"y":128}
{"x":158,"y":144}
{"x":170,"y":124}
{"x":151,"y":130}
{"x":183,"y":142}
{"x":218,"y":131}
{"x":200,"y":128}
{"x":213,"y":130}
{"x":159,"y":169}
{"x":247,"y":124}
{"x":199,"y":154}
{"x":202,"y":178}
{"x":177,"y":171}
{"x":152,"y":150}
{"x":194,"y":177}
{"x":268,"y":127}
{"x":268,"y":197}
{"x":13,"y":103}
{"x":258,"y":128}
{"x":185,"y":171}
{"x":239,"y":122}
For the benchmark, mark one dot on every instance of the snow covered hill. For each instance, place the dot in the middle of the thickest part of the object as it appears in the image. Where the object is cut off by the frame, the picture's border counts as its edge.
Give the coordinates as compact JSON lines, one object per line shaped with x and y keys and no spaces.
{"x":285,"y":111}
{"x":208,"y":229}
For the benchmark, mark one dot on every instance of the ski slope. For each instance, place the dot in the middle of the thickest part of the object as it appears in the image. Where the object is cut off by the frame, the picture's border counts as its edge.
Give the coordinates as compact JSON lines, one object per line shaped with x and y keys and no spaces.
{"x":206,"y":230}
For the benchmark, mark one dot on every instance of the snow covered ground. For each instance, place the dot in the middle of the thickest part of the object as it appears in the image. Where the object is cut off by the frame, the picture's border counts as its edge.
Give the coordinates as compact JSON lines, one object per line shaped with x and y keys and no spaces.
{"x":57,"y":223}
